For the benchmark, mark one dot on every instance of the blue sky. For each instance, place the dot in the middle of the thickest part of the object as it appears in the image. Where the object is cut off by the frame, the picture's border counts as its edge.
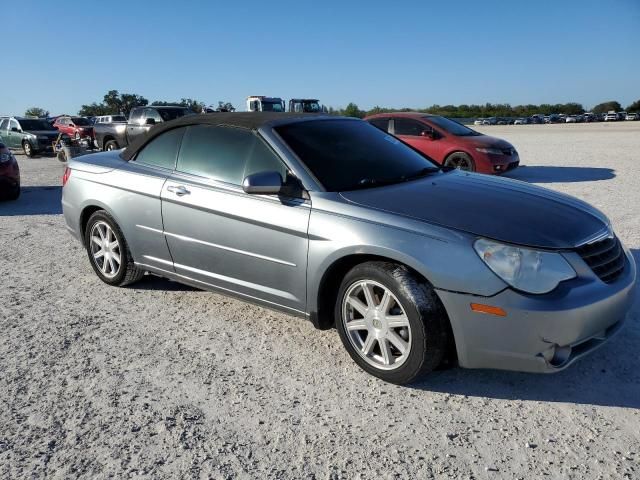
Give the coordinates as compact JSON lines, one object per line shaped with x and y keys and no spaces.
{"x":403,"y":53}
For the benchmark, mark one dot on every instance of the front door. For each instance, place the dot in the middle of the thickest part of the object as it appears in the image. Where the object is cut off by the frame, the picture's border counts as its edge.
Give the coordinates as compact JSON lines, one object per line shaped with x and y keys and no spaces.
{"x":420,"y":136}
{"x":252,"y":245}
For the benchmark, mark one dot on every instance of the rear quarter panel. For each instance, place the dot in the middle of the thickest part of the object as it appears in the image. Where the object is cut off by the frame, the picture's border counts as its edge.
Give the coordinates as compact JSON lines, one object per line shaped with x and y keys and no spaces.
{"x":128,"y":194}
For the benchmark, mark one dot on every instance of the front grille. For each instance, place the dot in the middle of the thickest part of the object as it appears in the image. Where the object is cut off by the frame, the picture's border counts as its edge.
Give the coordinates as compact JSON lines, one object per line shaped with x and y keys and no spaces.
{"x":605,"y":257}
{"x":508,"y":151}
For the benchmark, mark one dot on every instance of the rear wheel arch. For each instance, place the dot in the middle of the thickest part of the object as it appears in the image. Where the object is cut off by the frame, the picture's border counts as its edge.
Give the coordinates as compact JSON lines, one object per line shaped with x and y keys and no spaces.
{"x":89,"y":210}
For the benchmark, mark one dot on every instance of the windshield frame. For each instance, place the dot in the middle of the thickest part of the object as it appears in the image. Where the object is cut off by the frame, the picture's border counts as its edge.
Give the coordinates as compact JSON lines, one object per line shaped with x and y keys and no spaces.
{"x":304,"y":172}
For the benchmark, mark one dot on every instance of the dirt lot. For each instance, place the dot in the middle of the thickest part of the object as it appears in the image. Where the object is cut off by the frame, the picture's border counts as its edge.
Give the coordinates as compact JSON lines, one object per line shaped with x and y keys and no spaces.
{"x":164,"y":381}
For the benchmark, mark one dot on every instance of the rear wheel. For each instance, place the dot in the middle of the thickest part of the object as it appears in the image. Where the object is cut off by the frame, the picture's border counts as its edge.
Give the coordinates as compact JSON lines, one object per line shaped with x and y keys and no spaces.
{"x":111,"y":145}
{"x":391,"y":323}
{"x":461,"y":161}
{"x":108,"y":251}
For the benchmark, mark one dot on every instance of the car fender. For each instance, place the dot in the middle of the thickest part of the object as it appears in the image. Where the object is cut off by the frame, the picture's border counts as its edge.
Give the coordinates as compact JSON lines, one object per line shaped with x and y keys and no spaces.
{"x":445,"y":257}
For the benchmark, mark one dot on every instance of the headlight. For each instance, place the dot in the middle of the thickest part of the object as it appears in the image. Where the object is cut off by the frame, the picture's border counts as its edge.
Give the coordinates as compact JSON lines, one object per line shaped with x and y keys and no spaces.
{"x":5,"y":157}
{"x":491,"y":151}
{"x":528,"y":270}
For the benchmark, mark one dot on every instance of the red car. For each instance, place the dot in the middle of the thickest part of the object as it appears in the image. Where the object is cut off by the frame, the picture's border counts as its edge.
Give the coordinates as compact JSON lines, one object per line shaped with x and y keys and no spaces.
{"x":9,"y":175}
{"x":449,"y":143}
{"x":76,"y":127}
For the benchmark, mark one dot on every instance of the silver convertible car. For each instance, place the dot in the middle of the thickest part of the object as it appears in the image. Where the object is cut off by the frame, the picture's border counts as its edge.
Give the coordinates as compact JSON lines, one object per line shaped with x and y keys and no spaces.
{"x":333,"y":220}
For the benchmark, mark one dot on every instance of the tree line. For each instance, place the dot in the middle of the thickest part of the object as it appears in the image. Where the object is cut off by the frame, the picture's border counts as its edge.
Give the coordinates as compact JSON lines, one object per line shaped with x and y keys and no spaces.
{"x":114,"y":103}
{"x":490,"y":109}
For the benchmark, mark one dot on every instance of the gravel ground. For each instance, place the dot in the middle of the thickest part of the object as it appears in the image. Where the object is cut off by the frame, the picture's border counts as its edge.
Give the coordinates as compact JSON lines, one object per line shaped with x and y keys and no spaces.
{"x":164,"y":381}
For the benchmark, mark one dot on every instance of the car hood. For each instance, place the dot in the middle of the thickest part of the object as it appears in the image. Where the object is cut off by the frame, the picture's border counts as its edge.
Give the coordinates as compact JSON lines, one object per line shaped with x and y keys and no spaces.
{"x":501,"y":209}
{"x":485,"y":141}
{"x":46,"y":133}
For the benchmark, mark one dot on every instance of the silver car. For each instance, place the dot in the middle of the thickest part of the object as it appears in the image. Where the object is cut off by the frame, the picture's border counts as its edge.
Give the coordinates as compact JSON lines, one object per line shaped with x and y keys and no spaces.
{"x":333,"y":220}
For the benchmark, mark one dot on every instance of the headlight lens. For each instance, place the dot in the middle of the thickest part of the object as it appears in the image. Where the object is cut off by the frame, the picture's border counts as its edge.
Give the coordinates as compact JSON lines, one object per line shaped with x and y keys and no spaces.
{"x":5,"y":157}
{"x":525,"y":269}
{"x":491,"y":151}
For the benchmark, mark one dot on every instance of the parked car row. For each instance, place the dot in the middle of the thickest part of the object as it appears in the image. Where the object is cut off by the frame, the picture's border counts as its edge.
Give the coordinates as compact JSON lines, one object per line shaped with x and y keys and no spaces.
{"x":558,"y":118}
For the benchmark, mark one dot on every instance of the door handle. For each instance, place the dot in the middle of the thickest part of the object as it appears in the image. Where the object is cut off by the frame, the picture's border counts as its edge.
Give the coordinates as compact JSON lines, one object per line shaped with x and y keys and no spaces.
{"x":179,"y":190}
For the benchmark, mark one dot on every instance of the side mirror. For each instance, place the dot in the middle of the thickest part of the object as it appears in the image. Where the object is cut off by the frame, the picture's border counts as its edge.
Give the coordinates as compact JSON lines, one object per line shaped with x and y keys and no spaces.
{"x":263,"y":183}
{"x":15,"y":129}
{"x":428,"y":134}
{"x":150,"y":121}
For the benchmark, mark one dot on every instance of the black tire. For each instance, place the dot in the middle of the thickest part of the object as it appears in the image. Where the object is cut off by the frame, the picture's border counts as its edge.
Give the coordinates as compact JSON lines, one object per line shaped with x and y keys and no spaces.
{"x":27,"y":148}
{"x":460,"y":160}
{"x":14,"y":194}
{"x":428,"y":321}
{"x":111,"y":145}
{"x":127,"y":272}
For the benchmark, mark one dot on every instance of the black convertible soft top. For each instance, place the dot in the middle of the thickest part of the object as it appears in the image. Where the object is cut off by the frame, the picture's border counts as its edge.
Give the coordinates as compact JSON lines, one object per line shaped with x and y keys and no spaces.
{"x":248,"y":120}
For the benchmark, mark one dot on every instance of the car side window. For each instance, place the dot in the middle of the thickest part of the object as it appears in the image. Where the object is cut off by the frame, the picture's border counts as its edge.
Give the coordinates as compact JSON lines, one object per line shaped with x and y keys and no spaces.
{"x":263,"y":159}
{"x":136,"y":115}
{"x":407,"y":126}
{"x":4,"y":125}
{"x":381,"y":123}
{"x":152,"y":113}
{"x":13,"y":124}
{"x":162,"y":151}
{"x":219,"y":153}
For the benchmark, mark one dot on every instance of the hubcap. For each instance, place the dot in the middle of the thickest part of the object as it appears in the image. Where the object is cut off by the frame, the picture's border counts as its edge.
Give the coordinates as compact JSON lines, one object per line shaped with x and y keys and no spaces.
{"x":376,"y":324}
{"x":27,"y":148}
{"x":105,"y":249}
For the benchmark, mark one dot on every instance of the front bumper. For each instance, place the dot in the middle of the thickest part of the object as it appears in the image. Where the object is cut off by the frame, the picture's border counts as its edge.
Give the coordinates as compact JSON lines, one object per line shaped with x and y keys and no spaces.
{"x":541,"y":333}
{"x":495,"y":164}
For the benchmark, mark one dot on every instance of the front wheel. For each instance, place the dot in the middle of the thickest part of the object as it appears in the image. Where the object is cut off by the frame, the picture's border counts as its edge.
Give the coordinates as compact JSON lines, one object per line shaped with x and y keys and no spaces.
{"x":460,"y":160}
{"x":27,"y":148}
{"x":391,"y":323}
{"x":108,"y":251}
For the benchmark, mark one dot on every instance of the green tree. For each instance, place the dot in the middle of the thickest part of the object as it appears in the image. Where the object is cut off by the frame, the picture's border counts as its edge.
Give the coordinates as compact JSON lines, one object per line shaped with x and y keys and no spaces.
{"x":36,"y":112}
{"x":194,"y":105}
{"x":634,"y":107}
{"x":226,"y":107}
{"x":93,"y":110}
{"x":352,"y":110}
{"x":129,"y":101}
{"x":606,"y":106}
{"x":114,"y":103}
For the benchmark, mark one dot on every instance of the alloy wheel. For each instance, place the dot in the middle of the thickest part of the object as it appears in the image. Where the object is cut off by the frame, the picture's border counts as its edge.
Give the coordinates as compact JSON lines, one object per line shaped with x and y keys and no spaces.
{"x":27,"y":149}
{"x":460,"y":162}
{"x":376,"y":324}
{"x":105,"y":249}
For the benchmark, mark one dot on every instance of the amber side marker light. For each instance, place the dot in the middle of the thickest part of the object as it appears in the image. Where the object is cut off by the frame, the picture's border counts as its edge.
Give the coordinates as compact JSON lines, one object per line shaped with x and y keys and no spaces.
{"x":491,"y":310}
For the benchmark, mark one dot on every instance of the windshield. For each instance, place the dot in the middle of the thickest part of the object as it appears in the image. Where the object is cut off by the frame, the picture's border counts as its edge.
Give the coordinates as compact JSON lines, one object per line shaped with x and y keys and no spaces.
{"x":173,"y":113}
{"x":35,"y":125}
{"x":452,"y":127}
{"x":348,"y":155}
{"x":310,"y":107}
{"x":79,"y":121}
{"x":272,"y":107}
